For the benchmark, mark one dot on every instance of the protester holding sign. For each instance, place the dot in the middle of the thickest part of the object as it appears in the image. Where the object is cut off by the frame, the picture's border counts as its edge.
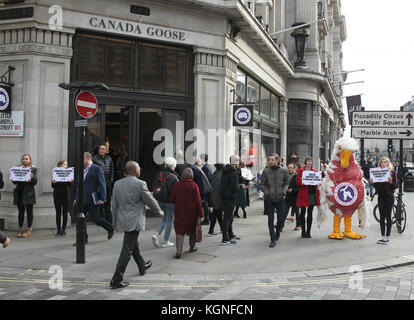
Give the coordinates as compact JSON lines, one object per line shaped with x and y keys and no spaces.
{"x":24,"y":196}
{"x":61,"y":195}
{"x":308,"y":196}
{"x":385,"y":191}
{"x":380,"y":174}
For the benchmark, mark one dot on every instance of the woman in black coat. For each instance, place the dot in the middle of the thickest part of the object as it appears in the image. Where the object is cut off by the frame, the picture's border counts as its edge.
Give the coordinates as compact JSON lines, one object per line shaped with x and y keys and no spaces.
{"x":24,"y":197}
{"x":61,"y":198}
{"x":1,"y":182}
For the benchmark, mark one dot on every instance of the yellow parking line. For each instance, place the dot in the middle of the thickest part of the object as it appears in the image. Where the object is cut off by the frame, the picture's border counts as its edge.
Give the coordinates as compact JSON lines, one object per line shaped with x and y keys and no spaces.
{"x":28,"y":270}
{"x":40,"y":272}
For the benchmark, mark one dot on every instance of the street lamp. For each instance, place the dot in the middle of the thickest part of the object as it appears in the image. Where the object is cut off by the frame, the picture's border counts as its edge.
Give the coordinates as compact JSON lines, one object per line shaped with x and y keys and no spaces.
{"x":81,"y":132}
{"x":301,"y":35}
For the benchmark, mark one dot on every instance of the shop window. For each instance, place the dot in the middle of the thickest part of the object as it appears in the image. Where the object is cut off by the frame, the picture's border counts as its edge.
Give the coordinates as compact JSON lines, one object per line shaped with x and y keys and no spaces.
{"x":275,"y":108}
{"x":265,"y":102}
{"x":176,"y":69}
{"x":104,"y":59}
{"x":120,"y":66}
{"x":112,"y":61}
{"x":90,"y":59}
{"x":151,"y":71}
{"x":253,"y":93}
{"x":241,"y":87}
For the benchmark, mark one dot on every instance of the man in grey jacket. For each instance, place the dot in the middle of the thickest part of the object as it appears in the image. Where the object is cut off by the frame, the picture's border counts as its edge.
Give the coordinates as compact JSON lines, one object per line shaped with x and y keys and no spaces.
{"x":275,"y":183}
{"x":128,"y":208}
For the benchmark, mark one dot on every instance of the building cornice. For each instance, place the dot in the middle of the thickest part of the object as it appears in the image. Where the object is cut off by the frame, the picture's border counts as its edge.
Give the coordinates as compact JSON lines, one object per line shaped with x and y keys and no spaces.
{"x":32,"y":40}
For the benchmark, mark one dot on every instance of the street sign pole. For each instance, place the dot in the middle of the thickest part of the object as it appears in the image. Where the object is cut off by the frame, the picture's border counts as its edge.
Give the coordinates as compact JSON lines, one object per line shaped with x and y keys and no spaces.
{"x":80,"y":217}
{"x":86,"y":106}
{"x":361,"y":160}
{"x":400,"y":182}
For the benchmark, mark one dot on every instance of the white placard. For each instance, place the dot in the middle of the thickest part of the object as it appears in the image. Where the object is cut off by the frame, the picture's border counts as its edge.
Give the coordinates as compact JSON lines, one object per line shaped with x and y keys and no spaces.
{"x":20,"y":174}
{"x":62,"y":174}
{"x":379,"y":174}
{"x":312,"y":178}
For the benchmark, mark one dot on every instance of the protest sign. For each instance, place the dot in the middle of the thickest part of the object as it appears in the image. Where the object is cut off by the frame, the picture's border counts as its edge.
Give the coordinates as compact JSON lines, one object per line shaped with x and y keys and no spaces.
{"x":312,"y":178}
{"x":61,"y":174}
{"x":379,"y":174}
{"x":20,"y":174}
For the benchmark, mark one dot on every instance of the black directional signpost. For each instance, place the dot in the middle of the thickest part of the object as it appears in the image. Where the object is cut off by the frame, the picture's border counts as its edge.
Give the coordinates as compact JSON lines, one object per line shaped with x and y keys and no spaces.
{"x":383,"y":125}
{"x":386,"y":125}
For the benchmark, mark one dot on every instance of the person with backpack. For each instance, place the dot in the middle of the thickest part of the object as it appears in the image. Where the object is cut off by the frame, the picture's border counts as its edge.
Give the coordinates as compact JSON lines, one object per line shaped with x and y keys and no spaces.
{"x":163,"y":184}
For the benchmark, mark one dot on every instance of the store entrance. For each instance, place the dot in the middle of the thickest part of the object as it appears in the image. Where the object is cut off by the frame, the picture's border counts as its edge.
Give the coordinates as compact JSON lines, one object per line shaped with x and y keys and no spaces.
{"x":128,"y":134}
{"x":116,"y":133}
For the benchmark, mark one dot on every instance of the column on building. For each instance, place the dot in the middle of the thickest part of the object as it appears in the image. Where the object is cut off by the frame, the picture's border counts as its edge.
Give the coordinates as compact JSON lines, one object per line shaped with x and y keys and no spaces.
{"x":215,"y":80}
{"x":284,"y":127}
{"x":42,"y":60}
{"x":316,"y":117}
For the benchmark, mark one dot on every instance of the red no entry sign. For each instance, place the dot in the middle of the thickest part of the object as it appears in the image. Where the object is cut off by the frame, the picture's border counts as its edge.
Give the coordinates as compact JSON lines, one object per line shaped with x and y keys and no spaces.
{"x":86,"y":104}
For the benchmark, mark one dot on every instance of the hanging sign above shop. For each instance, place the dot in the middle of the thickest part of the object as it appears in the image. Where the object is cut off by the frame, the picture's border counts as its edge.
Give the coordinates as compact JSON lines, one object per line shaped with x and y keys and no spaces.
{"x":5,"y":102}
{"x":243,"y":115}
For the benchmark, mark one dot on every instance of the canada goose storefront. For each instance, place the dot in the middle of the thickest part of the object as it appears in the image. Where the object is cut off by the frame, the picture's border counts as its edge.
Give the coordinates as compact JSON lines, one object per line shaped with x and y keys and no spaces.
{"x":151,"y":87}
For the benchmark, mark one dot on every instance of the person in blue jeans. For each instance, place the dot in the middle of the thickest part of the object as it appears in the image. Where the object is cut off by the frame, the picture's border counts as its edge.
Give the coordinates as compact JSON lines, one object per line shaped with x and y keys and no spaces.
{"x":275,"y":183}
{"x":170,"y":178}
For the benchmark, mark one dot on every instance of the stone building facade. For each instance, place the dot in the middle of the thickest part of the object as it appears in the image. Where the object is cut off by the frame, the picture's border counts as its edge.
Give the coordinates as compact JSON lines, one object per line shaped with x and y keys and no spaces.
{"x":178,"y":65}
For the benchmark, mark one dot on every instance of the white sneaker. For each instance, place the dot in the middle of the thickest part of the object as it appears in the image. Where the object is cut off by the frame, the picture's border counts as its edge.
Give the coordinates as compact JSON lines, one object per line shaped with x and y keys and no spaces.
{"x":382,"y":241}
{"x":167,"y":244}
{"x":155,"y":241}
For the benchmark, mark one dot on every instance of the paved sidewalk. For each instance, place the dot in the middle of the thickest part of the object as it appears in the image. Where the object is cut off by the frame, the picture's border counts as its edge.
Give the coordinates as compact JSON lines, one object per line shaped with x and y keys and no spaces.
{"x":246,"y":270}
{"x":250,"y":258}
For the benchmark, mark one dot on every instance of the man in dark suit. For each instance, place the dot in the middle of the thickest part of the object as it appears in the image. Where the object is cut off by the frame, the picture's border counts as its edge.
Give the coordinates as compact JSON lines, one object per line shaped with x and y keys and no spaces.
{"x":94,"y":194}
{"x":208,"y":172}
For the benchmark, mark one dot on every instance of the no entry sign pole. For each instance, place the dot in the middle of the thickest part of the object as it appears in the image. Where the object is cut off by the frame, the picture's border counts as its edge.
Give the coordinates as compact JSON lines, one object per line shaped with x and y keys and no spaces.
{"x":86,"y":106}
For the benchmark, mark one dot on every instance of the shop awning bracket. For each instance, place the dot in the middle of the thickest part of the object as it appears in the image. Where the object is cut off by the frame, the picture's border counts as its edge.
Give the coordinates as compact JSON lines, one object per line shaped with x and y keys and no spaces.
{"x":5,"y":78}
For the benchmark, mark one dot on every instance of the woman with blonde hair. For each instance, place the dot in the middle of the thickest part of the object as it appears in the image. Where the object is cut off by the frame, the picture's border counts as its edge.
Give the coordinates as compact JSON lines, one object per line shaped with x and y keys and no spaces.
{"x":24,"y":197}
{"x":385,"y":191}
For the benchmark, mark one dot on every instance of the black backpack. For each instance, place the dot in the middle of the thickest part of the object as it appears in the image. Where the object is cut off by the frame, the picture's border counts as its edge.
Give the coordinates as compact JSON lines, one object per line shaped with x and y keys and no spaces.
{"x":161,"y":192}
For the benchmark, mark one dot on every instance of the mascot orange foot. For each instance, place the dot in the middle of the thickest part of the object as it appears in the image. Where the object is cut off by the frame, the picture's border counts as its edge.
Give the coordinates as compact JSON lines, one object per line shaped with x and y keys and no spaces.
{"x":348,"y":233}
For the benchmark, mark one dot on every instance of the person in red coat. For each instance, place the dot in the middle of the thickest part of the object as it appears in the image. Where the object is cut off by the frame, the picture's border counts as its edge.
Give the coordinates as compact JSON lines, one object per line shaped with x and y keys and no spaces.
{"x":308,"y":197}
{"x":188,"y":210}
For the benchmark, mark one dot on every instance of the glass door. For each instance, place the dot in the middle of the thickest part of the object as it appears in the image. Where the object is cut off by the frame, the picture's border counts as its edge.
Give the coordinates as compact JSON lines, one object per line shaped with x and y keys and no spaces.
{"x":116,"y":132}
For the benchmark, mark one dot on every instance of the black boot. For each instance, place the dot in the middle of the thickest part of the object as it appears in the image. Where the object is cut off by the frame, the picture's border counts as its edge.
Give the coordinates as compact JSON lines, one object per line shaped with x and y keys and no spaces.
{"x":244,"y":214}
{"x":309,"y":226}
{"x":302,"y":225}
{"x":277,"y":235}
{"x":236,"y":213}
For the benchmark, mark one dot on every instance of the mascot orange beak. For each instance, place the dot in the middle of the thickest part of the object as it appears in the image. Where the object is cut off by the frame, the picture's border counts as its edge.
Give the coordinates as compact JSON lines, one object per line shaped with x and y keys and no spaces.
{"x":345,"y":157}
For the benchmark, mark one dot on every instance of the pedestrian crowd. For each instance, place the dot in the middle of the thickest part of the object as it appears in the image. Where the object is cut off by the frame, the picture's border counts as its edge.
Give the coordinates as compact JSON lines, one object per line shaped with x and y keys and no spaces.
{"x":186,"y":196}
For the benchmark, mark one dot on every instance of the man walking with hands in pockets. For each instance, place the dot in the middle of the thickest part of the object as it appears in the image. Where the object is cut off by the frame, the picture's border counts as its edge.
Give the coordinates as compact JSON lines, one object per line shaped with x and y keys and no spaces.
{"x":275,"y":183}
{"x":130,"y":195}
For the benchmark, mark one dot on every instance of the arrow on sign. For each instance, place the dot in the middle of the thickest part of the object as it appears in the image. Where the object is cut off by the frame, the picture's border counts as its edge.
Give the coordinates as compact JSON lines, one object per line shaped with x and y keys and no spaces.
{"x":409,"y":117}
{"x":408,"y":133}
